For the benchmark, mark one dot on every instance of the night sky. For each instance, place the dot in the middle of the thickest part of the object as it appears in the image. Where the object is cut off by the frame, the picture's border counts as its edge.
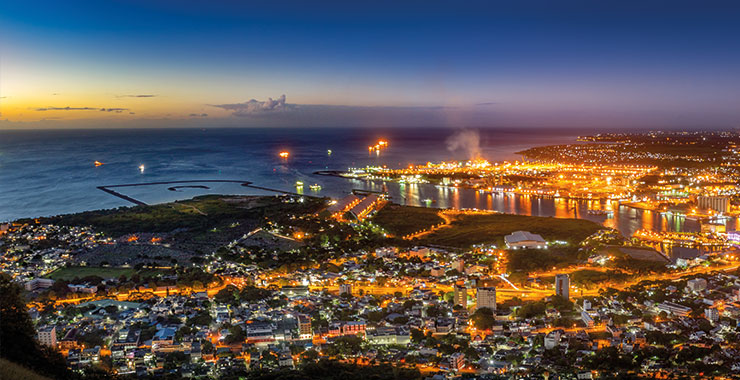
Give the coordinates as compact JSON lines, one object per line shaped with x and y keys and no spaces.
{"x":602,"y":64}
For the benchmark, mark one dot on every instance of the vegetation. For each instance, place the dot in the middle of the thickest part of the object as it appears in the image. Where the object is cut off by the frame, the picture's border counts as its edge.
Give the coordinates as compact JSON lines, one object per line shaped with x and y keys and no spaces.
{"x":470,"y":229}
{"x":530,"y":260}
{"x":199,"y":214}
{"x":589,"y":277}
{"x":70,"y":273}
{"x":403,"y":220}
{"x":17,"y":372}
{"x":17,"y":335}
{"x":483,"y":318}
{"x":334,"y":370}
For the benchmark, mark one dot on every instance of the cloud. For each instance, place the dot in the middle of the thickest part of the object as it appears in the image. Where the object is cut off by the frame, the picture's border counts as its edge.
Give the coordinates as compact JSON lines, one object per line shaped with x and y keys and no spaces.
{"x":198,"y":115}
{"x":136,"y":96}
{"x":68,"y":108}
{"x":256,"y":107}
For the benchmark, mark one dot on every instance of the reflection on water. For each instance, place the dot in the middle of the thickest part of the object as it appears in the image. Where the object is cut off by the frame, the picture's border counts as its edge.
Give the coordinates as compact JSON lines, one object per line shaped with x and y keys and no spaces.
{"x":625,"y":219}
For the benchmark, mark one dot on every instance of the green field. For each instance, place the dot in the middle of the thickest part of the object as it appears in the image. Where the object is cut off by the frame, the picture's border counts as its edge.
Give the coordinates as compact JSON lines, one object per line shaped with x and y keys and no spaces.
{"x":467,"y":230}
{"x":70,"y":273}
{"x":197,"y":215}
{"x":403,"y":220}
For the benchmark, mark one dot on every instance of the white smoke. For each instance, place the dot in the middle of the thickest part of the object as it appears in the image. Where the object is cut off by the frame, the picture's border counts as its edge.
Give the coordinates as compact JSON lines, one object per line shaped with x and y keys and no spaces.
{"x":466,"y":140}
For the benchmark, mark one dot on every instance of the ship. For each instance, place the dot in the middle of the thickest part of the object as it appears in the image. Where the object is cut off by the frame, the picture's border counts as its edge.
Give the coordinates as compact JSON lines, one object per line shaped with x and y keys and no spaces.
{"x":98,"y":163}
{"x":299,"y":184}
{"x":315,"y":187}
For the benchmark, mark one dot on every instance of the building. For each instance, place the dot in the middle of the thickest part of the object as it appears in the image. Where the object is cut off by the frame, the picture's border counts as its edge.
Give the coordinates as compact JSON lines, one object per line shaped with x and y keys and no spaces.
{"x":353,"y":328}
{"x":38,"y":283}
{"x":345,"y":289}
{"x":338,"y":209}
{"x":82,"y":288}
{"x":587,"y":319}
{"x":294,"y":291}
{"x":552,"y":339}
{"x":486,"y":297}
{"x":389,"y":336}
{"x":562,"y":285}
{"x":524,"y":240}
{"x":304,"y":326}
{"x":711,"y":314}
{"x":674,"y":308}
{"x":366,"y":206}
{"x":457,"y":360}
{"x":48,"y":336}
{"x":718,"y":204}
{"x":697,"y":284}
{"x":461,"y":296}
{"x":459,"y":265}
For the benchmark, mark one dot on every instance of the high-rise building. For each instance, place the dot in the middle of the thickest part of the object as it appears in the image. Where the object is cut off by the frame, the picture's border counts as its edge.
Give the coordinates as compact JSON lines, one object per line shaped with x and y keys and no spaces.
{"x":562,"y":285}
{"x":461,"y":296}
{"x":304,"y":326}
{"x":718,"y":204}
{"x":486,"y":297}
{"x":48,"y":336}
{"x":345,"y":288}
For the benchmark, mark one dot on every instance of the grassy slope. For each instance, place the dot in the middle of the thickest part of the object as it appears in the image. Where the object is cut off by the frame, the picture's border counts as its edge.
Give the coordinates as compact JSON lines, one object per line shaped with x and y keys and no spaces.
{"x":10,"y":370}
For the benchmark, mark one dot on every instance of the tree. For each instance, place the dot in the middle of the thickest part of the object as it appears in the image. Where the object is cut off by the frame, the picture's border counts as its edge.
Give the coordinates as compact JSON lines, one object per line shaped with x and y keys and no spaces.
{"x":236,"y":335}
{"x":483,"y":318}
{"x":18,"y":335}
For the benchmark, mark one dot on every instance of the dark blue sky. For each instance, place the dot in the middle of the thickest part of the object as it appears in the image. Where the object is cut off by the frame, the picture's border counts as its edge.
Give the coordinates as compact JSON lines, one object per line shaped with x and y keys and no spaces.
{"x":532,"y":63}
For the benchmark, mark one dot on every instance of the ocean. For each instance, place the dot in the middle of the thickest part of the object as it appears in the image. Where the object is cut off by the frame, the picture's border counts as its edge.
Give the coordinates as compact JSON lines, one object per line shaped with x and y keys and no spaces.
{"x":50,"y":172}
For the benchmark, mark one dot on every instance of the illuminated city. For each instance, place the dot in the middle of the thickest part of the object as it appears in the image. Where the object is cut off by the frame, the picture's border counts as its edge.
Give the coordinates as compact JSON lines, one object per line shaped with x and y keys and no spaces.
{"x":486,"y":190}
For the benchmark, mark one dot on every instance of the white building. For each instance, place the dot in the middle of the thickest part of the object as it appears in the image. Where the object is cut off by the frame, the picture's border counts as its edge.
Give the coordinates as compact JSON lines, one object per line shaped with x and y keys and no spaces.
{"x":697,"y":284}
{"x":48,"y":336}
{"x":674,"y":308}
{"x":562,"y":285}
{"x":486,"y":297}
{"x":38,"y":283}
{"x":524,"y":240}
{"x":587,"y":319}
{"x":552,"y":339}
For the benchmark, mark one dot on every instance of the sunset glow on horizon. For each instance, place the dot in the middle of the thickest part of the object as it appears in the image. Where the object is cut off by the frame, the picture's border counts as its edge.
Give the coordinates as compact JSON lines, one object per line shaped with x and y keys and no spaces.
{"x":488,"y":64}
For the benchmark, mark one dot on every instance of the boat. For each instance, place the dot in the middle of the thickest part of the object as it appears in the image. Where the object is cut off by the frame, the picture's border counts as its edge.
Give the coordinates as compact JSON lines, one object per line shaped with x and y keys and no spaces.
{"x":299,"y":184}
{"x":98,"y":163}
{"x":315,"y":187}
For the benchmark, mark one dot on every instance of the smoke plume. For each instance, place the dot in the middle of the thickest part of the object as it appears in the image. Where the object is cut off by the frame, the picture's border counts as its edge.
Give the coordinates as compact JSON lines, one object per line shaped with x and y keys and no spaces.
{"x":466,"y":140}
